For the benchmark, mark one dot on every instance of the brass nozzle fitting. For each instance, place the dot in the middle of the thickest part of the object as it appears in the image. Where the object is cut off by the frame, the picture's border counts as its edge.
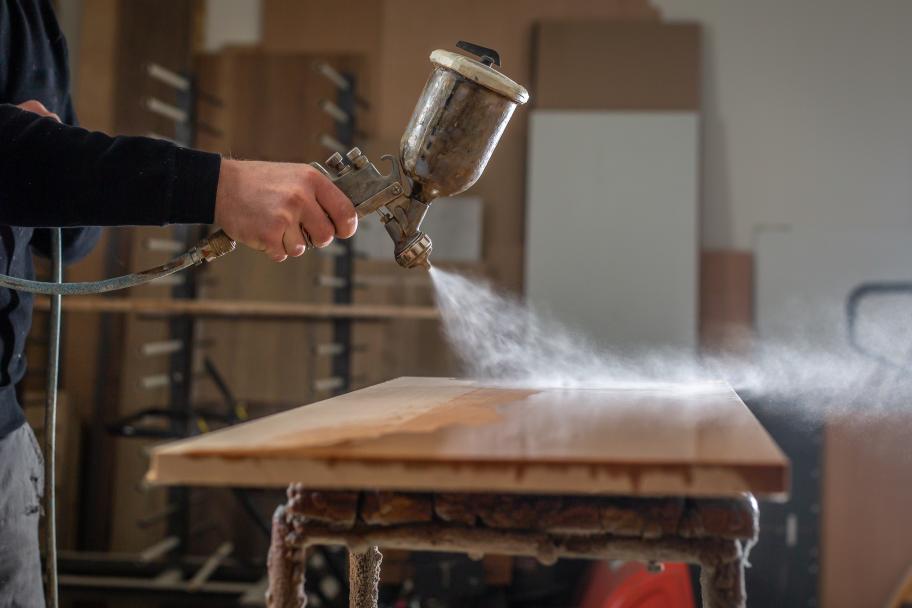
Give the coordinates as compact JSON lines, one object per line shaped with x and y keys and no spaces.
{"x":213,"y":246}
{"x":416,"y":252}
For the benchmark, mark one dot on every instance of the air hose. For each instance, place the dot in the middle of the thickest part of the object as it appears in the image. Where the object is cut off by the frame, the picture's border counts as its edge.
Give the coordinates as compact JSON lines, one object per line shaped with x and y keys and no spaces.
{"x":213,"y":246}
{"x":50,"y":425}
{"x":210,"y":248}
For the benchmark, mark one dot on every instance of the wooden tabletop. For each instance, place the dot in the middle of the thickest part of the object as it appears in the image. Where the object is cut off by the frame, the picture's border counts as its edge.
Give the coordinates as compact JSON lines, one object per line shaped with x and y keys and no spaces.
{"x":442,"y":434}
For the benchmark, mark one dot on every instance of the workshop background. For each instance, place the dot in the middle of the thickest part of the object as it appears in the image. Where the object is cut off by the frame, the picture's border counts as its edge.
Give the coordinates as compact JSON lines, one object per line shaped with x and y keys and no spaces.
{"x":705,"y":172}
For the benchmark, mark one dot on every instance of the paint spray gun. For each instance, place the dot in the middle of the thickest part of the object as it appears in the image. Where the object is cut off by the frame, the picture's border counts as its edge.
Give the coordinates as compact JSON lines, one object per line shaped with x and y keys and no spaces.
{"x":459,"y":118}
{"x":457,"y":122}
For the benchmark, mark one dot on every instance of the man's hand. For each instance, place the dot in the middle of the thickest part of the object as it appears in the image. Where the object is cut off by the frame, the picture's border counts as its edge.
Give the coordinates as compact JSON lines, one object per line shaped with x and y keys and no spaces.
{"x":278,"y":207}
{"x":36,"y":107}
{"x":273,"y":207}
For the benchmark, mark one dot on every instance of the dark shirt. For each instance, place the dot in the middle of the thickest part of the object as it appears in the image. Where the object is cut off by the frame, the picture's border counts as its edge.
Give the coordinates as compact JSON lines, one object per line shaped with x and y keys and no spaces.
{"x":54,"y":174}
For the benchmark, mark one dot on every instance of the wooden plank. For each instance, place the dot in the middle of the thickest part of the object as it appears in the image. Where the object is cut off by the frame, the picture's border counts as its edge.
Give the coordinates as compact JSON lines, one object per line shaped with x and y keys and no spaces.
{"x":641,"y":65}
{"x":448,"y":434}
{"x":867,"y":500}
{"x":148,"y":31}
{"x":726,"y":300}
{"x":903,"y":594}
{"x":118,"y":38}
{"x":95,"y":91}
{"x":250,"y":309}
{"x":316,"y":27}
{"x":95,"y":100}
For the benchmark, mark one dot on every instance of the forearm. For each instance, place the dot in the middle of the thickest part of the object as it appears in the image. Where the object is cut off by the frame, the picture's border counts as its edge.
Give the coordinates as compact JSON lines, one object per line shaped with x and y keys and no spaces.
{"x":57,"y":175}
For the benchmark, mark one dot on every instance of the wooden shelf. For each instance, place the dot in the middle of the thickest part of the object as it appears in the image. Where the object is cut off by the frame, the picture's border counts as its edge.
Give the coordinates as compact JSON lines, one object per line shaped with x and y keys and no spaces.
{"x":247,"y":309}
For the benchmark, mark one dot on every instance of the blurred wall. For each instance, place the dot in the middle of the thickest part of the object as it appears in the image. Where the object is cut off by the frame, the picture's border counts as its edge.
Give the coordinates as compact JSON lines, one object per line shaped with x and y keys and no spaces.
{"x":806,"y":108}
{"x":806,"y":123}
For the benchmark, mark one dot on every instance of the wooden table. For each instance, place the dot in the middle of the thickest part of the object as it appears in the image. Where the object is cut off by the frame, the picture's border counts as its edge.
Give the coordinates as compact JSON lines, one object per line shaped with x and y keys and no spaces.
{"x":651,"y":472}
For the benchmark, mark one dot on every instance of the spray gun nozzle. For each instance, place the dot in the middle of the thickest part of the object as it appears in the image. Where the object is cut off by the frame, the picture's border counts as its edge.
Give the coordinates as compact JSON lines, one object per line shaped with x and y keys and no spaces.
{"x":415,"y":251}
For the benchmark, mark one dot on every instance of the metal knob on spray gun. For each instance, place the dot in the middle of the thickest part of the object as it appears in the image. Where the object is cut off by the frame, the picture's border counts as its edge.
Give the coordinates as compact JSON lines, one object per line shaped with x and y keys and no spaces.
{"x":458,"y":120}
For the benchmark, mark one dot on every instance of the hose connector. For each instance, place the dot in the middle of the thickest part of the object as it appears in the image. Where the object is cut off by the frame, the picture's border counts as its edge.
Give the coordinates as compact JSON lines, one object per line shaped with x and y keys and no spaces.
{"x":213,"y":246}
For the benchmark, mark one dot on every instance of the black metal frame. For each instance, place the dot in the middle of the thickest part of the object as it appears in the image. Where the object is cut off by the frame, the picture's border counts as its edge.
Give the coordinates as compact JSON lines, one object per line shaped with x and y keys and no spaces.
{"x":853,"y":303}
{"x":344,"y":263}
{"x":183,"y":329}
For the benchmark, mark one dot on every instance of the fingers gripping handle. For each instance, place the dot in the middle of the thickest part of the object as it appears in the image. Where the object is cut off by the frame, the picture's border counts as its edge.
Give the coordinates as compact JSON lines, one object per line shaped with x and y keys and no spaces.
{"x":390,"y":195}
{"x":362,"y":183}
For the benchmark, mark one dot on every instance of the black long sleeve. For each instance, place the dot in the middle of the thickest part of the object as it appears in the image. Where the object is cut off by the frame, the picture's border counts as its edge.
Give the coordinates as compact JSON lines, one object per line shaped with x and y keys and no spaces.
{"x":54,"y":174}
{"x":59,"y":175}
{"x":77,"y":242}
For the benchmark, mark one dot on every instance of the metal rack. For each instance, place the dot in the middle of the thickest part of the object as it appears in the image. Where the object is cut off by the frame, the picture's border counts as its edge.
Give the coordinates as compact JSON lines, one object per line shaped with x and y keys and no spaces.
{"x":343,"y":113}
{"x":166,"y":567}
{"x":181,"y":329}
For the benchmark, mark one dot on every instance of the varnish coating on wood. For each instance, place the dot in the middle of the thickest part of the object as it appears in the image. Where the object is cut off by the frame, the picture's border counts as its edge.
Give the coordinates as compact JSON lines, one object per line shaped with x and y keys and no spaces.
{"x":448,"y":434}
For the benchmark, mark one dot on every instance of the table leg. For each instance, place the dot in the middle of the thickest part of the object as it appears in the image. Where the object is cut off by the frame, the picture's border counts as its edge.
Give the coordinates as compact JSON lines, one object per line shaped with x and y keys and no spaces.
{"x":285,"y":567}
{"x":709,"y":532}
{"x":722,"y":585}
{"x":364,"y":578}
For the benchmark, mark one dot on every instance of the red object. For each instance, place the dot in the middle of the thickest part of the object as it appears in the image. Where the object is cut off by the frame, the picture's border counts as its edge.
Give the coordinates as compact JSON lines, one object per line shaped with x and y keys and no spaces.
{"x":631,"y":585}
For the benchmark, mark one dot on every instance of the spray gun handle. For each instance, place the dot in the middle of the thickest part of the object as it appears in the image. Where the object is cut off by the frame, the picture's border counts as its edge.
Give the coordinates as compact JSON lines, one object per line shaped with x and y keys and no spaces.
{"x":389,"y":195}
{"x":362,"y":183}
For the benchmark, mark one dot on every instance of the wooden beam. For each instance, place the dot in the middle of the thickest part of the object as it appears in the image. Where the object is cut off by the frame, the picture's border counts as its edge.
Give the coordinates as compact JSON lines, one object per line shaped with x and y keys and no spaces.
{"x":248,"y":309}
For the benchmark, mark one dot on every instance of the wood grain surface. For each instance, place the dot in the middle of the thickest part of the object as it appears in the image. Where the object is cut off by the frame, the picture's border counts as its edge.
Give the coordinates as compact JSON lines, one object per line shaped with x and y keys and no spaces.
{"x":643,"y":65}
{"x":449,"y":434}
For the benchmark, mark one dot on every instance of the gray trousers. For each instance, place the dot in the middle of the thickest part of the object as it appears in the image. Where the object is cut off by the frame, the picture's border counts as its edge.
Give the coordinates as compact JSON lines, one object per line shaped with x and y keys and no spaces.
{"x":21,"y":489}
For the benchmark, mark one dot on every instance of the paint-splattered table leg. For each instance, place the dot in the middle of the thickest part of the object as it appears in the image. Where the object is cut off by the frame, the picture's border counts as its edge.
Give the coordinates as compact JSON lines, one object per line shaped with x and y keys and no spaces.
{"x":364,"y":578}
{"x":714,"y":533}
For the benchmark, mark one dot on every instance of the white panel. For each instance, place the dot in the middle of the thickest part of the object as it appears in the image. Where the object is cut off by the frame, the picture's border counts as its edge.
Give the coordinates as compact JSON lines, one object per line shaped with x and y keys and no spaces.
{"x":611,"y":233}
{"x":453,"y":223}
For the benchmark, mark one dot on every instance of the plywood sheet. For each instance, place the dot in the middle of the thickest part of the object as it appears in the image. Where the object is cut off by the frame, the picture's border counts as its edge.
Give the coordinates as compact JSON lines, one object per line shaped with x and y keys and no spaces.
{"x":867,"y":500}
{"x":642,"y":65}
{"x":448,"y":434}
{"x":726,"y":300}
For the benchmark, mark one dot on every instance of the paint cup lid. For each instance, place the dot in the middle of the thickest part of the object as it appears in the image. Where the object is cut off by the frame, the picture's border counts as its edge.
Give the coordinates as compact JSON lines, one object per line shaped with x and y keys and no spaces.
{"x":483,"y":74}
